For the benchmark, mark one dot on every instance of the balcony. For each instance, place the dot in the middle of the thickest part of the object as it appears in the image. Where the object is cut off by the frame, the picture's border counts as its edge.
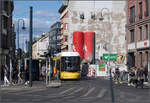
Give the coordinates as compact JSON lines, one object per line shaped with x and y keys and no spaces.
{"x":132,"y":20}
{"x":61,"y":37}
{"x":65,"y":32}
{"x":65,"y":20}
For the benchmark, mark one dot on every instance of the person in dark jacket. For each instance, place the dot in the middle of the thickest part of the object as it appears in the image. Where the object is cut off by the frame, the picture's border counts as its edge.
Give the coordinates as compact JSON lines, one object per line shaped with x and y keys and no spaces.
{"x":15,"y":75}
{"x":26,"y":75}
{"x":85,"y":67}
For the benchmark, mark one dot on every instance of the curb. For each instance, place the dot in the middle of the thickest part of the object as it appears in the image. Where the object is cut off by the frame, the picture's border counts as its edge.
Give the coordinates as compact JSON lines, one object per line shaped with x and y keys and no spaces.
{"x":54,"y":85}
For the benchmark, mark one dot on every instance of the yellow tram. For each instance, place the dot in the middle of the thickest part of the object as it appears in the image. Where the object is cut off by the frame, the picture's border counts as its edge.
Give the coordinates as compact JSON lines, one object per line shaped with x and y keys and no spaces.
{"x":68,"y":65}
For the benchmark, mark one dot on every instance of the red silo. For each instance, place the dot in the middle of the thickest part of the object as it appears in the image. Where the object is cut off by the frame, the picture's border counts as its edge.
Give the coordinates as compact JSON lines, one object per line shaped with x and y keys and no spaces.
{"x":88,"y":45}
{"x":78,"y":42}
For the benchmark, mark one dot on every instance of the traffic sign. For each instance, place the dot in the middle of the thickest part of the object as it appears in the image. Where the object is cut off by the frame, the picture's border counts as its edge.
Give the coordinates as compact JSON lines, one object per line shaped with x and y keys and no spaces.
{"x":109,"y":57}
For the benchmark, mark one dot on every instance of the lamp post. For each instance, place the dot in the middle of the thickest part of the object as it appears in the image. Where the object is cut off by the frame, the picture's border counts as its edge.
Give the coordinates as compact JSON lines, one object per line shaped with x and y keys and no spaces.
{"x":19,"y":50}
{"x":30,"y":47}
{"x":111,"y":83}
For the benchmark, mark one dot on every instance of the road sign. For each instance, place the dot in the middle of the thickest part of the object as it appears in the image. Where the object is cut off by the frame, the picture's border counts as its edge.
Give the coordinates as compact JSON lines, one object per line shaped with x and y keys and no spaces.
{"x":109,"y":57}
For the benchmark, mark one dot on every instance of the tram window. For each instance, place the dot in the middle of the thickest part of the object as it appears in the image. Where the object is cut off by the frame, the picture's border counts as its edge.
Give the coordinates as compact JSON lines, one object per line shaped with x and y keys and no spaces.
{"x":70,"y":64}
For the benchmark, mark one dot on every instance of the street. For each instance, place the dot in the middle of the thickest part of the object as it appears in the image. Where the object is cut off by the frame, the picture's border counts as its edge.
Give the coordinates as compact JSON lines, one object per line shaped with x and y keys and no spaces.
{"x":94,"y":90}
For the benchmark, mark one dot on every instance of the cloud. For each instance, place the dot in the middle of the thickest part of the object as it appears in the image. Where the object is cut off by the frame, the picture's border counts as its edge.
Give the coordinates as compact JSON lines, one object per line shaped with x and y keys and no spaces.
{"x":46,"y":14}
{"x":37,"y":22}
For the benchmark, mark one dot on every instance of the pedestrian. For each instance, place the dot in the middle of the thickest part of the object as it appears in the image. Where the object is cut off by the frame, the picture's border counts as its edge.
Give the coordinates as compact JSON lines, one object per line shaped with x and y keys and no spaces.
{"x":140,"y":77}
{"x":117,"y":75}
{"x":43,"y":72}
{"x":26,"y":75}
{"x":85,"y":67}
{"x":6,"y":76}
{"x":132,"y":76}
{"x":15,"y":75}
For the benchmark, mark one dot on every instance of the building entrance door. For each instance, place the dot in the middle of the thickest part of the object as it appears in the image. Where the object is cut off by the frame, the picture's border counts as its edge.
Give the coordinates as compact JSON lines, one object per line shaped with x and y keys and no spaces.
{"x":131,"y":60}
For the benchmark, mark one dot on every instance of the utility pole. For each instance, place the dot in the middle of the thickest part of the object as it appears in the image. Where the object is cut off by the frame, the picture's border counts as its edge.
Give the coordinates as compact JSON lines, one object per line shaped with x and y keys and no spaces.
{"x":30,"y":49}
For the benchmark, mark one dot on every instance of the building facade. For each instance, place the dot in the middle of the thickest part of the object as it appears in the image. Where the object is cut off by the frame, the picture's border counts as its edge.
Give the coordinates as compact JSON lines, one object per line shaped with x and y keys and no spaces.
{"x":110,"y":30}
{"x":64,"y":26}
{"x":7,"y":34}
{"x":40,"y":47}
{"x":138,"y":38}
{"x":55,"y":39}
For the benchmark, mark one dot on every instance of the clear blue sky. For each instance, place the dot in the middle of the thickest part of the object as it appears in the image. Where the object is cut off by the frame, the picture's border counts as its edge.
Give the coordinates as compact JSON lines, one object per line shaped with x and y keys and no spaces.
{"x":45,"y":13}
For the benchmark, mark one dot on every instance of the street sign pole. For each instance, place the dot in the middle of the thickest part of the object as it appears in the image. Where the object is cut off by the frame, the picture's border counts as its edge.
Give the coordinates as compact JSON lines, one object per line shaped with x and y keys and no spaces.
{"x":46,"y":69}
{"x":111,"y":83}
{"x":49,"y":69}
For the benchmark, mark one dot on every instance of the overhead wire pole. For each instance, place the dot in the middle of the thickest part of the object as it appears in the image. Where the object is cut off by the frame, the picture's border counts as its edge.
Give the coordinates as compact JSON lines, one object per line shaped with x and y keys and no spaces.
{"x":30,"y":48}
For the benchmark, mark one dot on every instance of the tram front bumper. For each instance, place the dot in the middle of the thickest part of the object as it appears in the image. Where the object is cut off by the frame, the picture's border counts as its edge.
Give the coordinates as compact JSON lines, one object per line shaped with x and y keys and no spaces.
{"x":70,"y":75}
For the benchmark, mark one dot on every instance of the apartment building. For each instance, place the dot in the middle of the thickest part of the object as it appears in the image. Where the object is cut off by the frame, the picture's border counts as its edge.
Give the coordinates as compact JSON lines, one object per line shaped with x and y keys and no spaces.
{"x":138,"y":38}
{"x":64,"y":25}
{"x":55,"y":39}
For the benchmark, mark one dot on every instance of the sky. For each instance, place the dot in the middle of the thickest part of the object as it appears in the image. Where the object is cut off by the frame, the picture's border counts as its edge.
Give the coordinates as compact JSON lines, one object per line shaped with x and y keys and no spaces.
{"x":45,"y":13}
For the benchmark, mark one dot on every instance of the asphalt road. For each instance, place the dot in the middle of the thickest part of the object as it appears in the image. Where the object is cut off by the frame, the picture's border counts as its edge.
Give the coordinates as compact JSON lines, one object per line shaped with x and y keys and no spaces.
{"x":79,"y":91}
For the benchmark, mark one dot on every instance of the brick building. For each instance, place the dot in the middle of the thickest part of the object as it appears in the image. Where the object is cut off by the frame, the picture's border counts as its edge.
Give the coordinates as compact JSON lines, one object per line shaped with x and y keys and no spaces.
{"x":138,"y":38}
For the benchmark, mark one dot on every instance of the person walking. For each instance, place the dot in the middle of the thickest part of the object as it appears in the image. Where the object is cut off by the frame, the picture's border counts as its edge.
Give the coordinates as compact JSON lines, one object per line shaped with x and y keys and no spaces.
{"x":15,"y":75}
{"x":117,"y":75}
{"x":132,"y":76}
{"x":43,"y":72}
{"x":26,"y":75}
{"x":6,"y":76}
{"x":140,"y":77}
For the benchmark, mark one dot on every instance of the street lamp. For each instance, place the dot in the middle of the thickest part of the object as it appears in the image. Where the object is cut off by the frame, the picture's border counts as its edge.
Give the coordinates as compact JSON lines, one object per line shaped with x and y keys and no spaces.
{"x":111,"y":83}
{"x":19,"y":50}
{"x":23,"y":28}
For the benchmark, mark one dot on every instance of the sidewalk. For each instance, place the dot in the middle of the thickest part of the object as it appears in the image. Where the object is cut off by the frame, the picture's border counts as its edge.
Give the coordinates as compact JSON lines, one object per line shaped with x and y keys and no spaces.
{"x":126,"y":82}
{"x":35,"y":84}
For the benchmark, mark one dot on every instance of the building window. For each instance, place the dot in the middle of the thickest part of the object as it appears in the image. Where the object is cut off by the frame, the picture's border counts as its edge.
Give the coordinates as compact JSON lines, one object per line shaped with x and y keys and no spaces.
{"x":6,"y":6}
{"x":147,"y":8}
{"x":140,"y":29}
{"x":146,"y":30}
{"x":132,"y":35}
{"x":5,"y":22}
{"x":141,"y":10}
{"x":132,"y":14}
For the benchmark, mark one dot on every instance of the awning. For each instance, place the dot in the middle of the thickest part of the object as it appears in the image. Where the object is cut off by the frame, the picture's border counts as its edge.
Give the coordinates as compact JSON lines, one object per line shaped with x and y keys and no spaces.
{"x":64,"y":46}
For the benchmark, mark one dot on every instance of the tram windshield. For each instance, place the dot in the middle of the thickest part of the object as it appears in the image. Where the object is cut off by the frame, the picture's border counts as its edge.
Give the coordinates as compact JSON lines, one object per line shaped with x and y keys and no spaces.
{"x":70,"y":64}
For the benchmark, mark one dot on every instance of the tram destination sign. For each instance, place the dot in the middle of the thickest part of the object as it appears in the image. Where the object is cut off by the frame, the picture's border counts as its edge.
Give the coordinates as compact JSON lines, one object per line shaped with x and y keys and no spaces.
{"x":109,"y":57}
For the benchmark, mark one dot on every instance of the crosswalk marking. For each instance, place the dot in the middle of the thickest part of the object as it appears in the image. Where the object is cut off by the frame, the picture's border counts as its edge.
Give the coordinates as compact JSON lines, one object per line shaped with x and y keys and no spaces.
{"x":76,"y":90}
{"x":101,"y":93}
{"x":89,"y":91}
{"x":30,"y":91}
{"x":63,"y":92}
